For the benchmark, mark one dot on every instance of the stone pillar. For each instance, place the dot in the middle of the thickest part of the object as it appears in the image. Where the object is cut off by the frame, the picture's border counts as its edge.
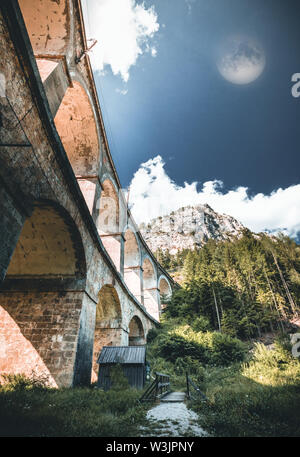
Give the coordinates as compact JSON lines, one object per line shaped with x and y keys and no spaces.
{"x":152,"y":302}
{"x":114,"y":244}
{"x":133,"y":279}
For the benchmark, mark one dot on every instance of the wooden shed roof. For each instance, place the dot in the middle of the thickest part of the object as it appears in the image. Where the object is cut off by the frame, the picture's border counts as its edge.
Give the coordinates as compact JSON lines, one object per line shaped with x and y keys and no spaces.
{"x":122,"y":354}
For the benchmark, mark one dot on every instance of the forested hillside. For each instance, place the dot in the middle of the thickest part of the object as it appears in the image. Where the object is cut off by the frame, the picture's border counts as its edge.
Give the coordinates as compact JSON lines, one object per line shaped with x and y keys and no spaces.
{"x":229,"y":327}
{"x":243,"y":287}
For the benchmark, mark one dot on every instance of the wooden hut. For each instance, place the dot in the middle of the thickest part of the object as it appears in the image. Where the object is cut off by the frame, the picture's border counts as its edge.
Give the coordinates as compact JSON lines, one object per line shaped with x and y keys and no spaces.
{"x":132,"y":360}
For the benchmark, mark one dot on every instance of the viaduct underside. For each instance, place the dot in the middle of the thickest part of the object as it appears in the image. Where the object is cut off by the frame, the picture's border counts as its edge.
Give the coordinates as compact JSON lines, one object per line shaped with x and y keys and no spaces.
{"x":75,"y":272}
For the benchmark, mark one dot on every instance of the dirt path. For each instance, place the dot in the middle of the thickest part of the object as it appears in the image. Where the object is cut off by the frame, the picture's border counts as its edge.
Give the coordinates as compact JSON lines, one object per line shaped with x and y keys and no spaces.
{"x":172,"y":419}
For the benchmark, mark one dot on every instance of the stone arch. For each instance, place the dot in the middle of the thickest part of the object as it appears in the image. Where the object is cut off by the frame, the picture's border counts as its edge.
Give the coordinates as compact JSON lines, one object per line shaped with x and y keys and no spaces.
{"x":132,"y":263}
{"x":108,"y":311}
{"x":48,"y":25}
{"x":151,"y":296}
{"x":108,"y":222}
{"x":108,"y":324}
{"x":49,"y":246}
{"x":165,"y":290}
{"x":41,"y":297}
{"x":77,"y":128}
{"x":136,"y":332}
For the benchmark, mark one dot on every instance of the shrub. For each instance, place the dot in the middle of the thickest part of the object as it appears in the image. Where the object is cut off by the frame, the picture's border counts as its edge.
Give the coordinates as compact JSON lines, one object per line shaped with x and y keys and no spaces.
{"x":226,"y":350}
{"x":23,"y":382}
{"x":191,"y":366}
{"x":173,"y":346}
{"x":152,"y":334}
{"x":201,"y":324}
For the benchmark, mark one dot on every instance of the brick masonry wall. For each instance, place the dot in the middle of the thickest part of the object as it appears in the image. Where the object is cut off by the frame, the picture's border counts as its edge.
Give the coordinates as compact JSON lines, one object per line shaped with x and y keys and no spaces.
{"x":38,"y":334}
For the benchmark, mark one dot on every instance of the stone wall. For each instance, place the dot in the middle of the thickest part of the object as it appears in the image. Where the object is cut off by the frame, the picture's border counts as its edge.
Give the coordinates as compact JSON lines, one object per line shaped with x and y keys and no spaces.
{"x":39,"y":333}
{"x":48,"y":310}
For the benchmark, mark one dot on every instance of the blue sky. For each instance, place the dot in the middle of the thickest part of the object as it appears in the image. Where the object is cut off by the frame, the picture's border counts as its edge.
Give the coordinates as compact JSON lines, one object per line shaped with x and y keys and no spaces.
{"x":172,"y":102}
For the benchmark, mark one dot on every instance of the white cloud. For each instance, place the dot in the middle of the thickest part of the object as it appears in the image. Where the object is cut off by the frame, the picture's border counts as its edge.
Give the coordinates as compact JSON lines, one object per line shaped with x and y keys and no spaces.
{"x":122,"y":91}
{"x":189,"y":5}
{"x":153,"y":52}
{"x":153,"y":193}
{"x":124,"y":30}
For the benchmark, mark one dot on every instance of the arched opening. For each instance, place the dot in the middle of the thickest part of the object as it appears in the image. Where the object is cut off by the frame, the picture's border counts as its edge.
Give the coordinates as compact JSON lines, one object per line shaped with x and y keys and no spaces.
{"x":151,"y":293}
{"x":108,"y":222}
{"x":165,"y":291}
{"x":108,"y":326}
{"x":41,"y":298}
{"x":76,"y":125}
{"x":46,"y":248}
{"x":136,"y":332}
{"x":132,"y":264}
{"x":48,"y":25}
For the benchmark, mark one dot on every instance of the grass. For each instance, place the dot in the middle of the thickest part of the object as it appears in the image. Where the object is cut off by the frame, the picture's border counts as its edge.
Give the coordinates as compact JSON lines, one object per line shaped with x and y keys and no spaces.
{"x":258,"y":398}
{"x":30,"y":409}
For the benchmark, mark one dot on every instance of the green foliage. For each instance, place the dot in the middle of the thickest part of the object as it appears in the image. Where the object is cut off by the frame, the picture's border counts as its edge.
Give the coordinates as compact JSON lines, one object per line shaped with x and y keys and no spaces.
{"x":250,"y":393}
{"x":200,"y":324}
{"x":245,"y":286}
{"x":226,"y":350}
{"x":20,"y":382}
{"x":152,"y":334}
{"x":258,"y":398}
{"x":173,"y":346}
{"x":178,"y":341}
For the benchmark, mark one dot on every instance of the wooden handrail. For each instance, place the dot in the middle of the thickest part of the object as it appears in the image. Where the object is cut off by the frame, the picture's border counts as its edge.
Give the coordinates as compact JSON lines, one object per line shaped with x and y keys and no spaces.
{"x":190,"y":383}
{"x":157,"y":388}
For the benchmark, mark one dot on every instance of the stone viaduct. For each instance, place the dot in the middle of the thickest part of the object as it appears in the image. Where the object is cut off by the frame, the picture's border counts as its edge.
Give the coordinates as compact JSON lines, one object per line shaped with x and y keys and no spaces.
{"x":75,"y":272}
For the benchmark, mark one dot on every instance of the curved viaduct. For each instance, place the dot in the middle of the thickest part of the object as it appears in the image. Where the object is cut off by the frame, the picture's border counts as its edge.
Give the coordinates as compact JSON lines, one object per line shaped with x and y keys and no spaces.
{"x":75,"y":272}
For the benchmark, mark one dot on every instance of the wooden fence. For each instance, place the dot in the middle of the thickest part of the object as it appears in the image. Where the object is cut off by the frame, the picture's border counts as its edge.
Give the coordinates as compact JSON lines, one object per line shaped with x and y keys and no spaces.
{"x":190,"y":385}
{"x":159,"y":387}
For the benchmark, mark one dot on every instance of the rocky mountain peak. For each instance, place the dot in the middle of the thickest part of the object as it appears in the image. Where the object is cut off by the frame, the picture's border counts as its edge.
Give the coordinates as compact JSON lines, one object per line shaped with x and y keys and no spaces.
{"x":189,"y":227}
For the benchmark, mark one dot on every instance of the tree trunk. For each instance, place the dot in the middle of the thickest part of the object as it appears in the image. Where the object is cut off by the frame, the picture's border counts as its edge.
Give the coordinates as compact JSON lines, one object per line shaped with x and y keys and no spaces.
{"x":217,"y":309}
{"x":290,"y":298}
{"x":274,"y":300}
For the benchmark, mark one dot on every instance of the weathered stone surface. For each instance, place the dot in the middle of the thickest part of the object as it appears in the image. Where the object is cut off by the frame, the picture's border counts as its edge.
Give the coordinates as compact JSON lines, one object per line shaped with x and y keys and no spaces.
{"x":53,"y":175}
